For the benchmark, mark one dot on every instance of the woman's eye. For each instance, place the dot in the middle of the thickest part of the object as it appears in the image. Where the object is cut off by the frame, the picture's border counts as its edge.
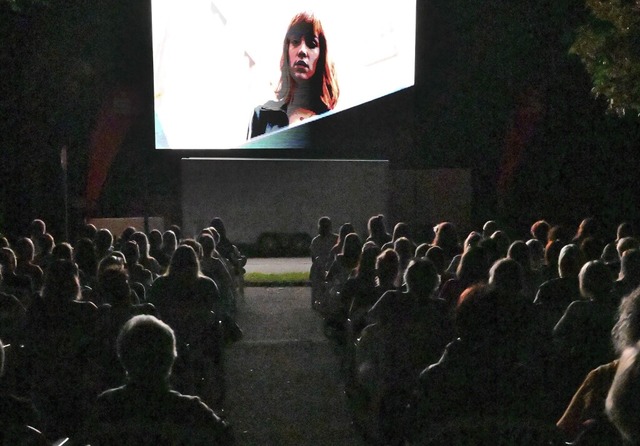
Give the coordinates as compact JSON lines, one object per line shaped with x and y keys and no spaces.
{"x":295,"y":42}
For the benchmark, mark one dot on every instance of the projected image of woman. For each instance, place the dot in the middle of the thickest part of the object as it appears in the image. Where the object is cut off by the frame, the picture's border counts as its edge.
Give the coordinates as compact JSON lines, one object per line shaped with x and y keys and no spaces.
{"x":308,"y":85}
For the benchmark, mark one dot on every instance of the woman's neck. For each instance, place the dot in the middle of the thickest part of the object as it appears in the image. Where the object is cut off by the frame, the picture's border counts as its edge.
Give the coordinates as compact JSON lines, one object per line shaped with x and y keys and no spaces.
{"x":301,"y":97}
{"x":300,"y":108}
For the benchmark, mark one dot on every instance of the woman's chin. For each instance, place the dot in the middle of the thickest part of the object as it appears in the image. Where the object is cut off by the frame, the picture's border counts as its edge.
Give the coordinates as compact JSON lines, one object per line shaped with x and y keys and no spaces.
{"x":301,"y":77}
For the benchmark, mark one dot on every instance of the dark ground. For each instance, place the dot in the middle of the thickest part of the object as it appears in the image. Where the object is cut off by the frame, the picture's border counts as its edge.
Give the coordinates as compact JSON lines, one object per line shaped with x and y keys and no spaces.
{"x":283,"y":380}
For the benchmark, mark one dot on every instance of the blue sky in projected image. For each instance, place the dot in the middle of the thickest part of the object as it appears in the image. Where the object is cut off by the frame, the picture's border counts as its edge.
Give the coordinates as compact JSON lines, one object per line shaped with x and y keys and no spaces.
{"x":215,"y":60}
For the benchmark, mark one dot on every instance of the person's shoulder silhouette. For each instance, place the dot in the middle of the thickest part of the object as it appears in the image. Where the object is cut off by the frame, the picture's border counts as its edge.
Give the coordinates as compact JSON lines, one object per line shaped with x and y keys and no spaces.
{"x":145,"y":410}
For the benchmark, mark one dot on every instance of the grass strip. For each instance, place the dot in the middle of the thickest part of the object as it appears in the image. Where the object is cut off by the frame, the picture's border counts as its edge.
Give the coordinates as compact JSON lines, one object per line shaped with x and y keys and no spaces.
{"x":263,"y":279}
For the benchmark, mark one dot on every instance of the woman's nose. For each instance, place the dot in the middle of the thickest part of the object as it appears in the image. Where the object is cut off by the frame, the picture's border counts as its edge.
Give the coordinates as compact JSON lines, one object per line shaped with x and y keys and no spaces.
{"x":302,"y":51}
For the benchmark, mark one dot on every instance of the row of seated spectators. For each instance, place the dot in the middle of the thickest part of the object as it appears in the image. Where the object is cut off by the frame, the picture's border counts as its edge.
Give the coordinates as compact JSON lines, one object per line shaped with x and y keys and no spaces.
{"x":149,"y":313}
{"x":445,"y":343}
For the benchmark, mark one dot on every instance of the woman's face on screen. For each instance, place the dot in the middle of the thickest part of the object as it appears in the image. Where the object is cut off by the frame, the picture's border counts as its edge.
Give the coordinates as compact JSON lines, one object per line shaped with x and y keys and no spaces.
{"x":304,"y":52}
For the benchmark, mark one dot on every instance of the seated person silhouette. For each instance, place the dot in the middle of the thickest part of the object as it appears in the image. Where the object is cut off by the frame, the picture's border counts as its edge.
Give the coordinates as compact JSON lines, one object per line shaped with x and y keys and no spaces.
{"x":623,"y":400}
{"x":13,"y":283}
{"x":12,"y":315}
{"x":146,"y":411}
{"x":18,"y":414}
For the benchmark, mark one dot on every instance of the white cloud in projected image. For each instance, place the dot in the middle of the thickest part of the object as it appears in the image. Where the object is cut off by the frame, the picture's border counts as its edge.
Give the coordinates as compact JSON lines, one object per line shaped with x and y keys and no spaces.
{"x":215,"y":60}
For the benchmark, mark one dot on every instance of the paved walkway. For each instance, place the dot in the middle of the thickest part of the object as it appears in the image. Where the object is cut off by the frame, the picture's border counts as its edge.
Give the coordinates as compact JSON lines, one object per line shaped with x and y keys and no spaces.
{"x":283,"y":383}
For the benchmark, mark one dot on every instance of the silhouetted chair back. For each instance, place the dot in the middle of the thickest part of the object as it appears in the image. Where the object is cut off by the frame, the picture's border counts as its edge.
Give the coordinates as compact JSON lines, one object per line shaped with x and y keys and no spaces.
{"x":149,"y":434}
{"x":496,"y":432}
{"x":25,"y":436}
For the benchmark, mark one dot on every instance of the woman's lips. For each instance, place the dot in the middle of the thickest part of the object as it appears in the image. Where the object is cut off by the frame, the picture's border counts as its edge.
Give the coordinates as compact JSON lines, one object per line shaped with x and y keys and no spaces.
{"x":300,"y":63}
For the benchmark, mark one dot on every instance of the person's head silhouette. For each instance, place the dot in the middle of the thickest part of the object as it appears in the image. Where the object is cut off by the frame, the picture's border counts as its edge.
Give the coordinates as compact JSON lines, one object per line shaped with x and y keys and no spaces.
{"x":147,"y":349}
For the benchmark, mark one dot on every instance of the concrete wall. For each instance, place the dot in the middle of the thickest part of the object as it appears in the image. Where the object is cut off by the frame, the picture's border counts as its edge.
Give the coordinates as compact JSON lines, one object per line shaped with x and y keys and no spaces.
{"x":253,"y":196}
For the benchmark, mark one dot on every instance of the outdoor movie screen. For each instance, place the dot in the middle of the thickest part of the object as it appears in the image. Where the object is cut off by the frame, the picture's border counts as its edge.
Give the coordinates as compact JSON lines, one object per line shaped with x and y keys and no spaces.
{"x":232,"y":74}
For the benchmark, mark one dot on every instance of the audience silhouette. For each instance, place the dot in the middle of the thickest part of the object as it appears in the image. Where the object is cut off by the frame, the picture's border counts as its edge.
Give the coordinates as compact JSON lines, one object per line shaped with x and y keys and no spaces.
{"x":582,"y":333}
{"x":377,"y":231}
{"x":145,"y":410}
{"x":19,"y":418}
{"x":524,"y":331}
{"x":623,"y":400}
{"x":19,"y":285}
{"x":146,"y":260}
{"x":59,"y":342}
{"x":321,"y":258}
{"x":190,"y":303}
{"x":119,"y":306}
{"x":12,"y":315}
{"x":585,"y":416}
{"x":25,"y":266}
